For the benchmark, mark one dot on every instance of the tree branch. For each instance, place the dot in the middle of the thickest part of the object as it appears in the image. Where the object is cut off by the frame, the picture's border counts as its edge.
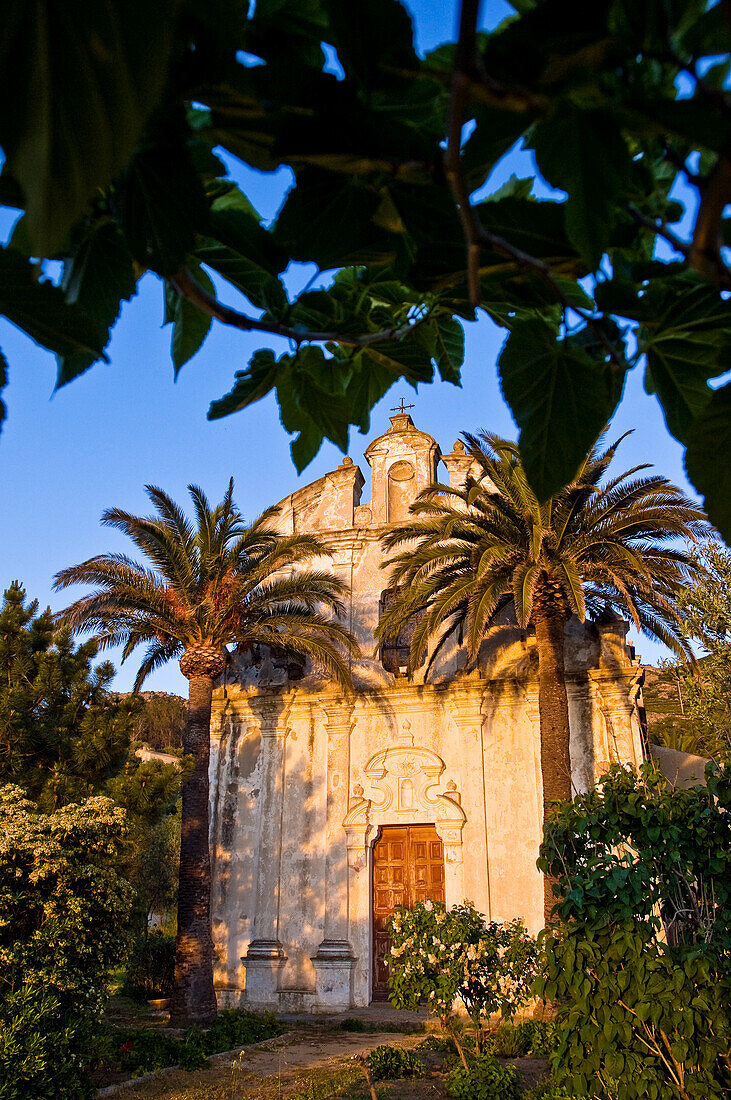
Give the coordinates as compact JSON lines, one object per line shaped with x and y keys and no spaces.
{"x":660,"y":228}
{"x":466,"y":70}
{"x":187,"y":287}
{"x":705,"y":250}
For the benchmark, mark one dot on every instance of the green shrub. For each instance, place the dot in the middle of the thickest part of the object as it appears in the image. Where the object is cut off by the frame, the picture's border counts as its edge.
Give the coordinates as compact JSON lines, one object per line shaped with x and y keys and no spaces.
{"x":547,"y":1090}
{"x":437,"y":1042}
{"x":151,"y":966}
{"x":353,"y":1024}
{"x":387,"y":1062}
{"x":235,"y":1027}
{"x":438,"y":955}
{"x":39,"y":1044}
{"x":544,"y":1037}
{"x":143,"y":1049}
{"x":63,"y":918}
{"x":644,"y":1015}
{"x":534,"y":1037}
{"x":512,"y":1042}
{"x":193,"y":1050}
{"x":486,"y":1079}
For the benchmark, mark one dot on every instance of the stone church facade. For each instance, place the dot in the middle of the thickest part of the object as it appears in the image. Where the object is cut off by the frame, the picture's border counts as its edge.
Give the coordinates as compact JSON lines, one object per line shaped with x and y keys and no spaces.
{"x":328,"y":811}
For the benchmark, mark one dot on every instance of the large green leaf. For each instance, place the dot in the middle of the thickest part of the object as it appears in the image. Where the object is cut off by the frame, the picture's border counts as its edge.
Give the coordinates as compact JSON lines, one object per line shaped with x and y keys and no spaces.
{"x":407,"y":358}
{"x":374,"y":40}
{"x":250,"y":385}
{"x":77,"y":85}
{"x":538,"y":228}
{"x":307,"y":408}
{"x":550,"y":42}
{"x":428,"y":217}
{"x":289,"y":33}
{"x":329,"y":220}
{"x":496,"y":131}
{"x":584,"y":154}
{"x":314,"y":392}
{"x":237,"y":247}
{"x":368,"y":384}
{"x":707,"y":459}
{"x":686,"y":336}
{"x":262,"y":289}
{"x":449,"y":348}
{"x":678,"y":368}
{"x":162,"y":205}
{"x":40,"y":309}
{"x":325,"y":122}
{"x":98,"y":276}
{"x":561,"y":397}
{"x":699,"y":120}
{"x":190,"y":324}
{"x":325,"y":310}
{"x":235,"y":222}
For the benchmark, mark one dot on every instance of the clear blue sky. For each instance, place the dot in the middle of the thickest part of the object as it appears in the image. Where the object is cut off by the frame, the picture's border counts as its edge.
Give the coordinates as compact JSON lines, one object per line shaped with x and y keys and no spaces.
{"x":65,"y":457}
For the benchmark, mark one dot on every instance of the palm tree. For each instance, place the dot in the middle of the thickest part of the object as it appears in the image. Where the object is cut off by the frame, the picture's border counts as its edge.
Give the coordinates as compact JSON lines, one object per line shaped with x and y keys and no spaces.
{"x":206,"y":586}
{"x":468,"y":554}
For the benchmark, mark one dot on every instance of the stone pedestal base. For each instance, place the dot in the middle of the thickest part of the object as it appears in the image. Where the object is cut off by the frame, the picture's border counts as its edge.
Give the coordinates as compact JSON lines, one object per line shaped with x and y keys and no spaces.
{"x":334,"y":964}
{"x":263,"y":963}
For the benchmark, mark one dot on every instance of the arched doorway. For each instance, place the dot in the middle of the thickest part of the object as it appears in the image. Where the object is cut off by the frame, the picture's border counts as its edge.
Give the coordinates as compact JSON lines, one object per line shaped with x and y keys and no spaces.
{"x":408,"y":867}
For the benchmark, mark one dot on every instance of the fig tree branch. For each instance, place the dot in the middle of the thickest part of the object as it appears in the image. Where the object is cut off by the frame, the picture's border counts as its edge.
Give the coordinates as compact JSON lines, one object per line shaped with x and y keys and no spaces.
{"x":184,"y":284}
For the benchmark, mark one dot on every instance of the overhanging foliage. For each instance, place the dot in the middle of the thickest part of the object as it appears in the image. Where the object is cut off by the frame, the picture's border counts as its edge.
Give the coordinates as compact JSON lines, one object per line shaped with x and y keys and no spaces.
{"x":111,"y":132}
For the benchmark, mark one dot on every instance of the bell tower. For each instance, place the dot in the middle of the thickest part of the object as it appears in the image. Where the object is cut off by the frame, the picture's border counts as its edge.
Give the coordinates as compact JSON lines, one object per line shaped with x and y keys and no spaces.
{"x":403,"y":462}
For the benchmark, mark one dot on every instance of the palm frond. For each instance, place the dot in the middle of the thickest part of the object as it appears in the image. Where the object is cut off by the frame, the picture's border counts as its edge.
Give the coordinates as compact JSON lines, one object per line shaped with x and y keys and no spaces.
{"x":210,"y":584}
{"x":461,"y":551}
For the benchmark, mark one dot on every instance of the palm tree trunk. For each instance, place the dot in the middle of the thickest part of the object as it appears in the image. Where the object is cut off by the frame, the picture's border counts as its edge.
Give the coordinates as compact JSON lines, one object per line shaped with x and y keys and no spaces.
{"x":553,"y":713}
{"x":193,"y":998}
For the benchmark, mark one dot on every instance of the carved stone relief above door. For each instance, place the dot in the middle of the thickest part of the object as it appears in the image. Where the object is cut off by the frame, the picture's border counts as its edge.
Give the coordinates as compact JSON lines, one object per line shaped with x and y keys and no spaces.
{"x":403,"y":786}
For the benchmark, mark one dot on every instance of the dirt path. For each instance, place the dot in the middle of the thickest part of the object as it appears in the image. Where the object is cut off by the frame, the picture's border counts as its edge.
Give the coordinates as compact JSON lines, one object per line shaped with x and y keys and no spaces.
{"x":269,"y":1070}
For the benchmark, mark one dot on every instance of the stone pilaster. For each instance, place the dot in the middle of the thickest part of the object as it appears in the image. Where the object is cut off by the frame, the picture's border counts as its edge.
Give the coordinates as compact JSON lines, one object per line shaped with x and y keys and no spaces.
{"x":466,"y":715}
{"x":616,"y":693}
{"x":266,"y":956}
{"x":335,"y":959}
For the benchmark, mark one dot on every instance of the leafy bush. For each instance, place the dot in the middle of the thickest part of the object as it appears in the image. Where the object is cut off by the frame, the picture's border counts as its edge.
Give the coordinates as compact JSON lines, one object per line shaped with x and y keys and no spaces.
{"x":512,"y":1042}
{"x":536,"y":1037}
{"x":386,"y":1063}
{"x":39,"y":1044}
{"x":486,"y":1079}
{"x":544,"y":1037}
{"x":144,"y":1049}
{"x":235,"y":1027}
{"x":439,"y":955}
{"x":194,"y":1050}
{"x":351,"y":1023}
{"x":651,"y":1016}
{"x":63,"y":917}
{"x":547,"y":1090}
{"x":437,"y":1042}
{"x":151,"y":966}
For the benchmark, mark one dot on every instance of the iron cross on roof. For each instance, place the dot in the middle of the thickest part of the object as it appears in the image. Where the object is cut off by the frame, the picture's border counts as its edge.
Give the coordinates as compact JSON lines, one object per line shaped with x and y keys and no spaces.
{"x":402,"y":408}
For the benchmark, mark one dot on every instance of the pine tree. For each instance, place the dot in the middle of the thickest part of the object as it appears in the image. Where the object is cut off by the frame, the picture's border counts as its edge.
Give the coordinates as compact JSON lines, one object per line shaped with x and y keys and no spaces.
{"x":63,"y":735}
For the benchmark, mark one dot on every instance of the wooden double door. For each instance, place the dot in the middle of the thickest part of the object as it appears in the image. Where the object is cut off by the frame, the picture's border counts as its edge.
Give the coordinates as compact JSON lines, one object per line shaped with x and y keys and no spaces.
{"x":408,"y":866}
